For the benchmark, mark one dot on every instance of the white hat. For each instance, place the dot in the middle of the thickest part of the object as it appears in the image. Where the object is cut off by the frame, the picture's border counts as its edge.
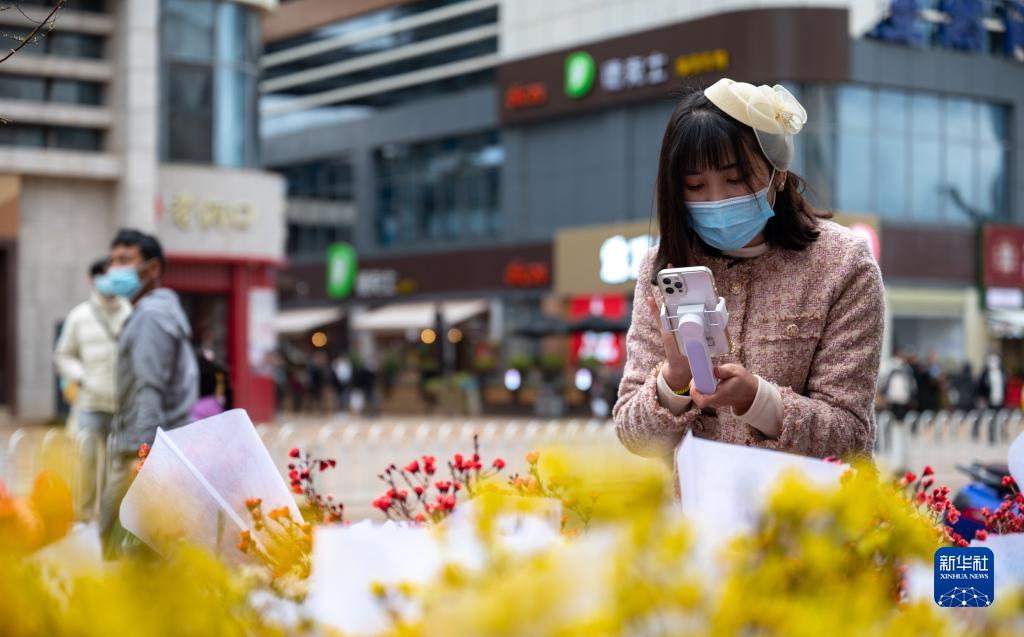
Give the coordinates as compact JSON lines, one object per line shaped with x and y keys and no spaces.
{"x":772,"y":111}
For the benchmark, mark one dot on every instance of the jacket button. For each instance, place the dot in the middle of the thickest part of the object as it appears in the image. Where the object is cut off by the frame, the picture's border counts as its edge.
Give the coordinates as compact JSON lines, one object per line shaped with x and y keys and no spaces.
{"x":792,"y":330}
{"x":736,"y":289}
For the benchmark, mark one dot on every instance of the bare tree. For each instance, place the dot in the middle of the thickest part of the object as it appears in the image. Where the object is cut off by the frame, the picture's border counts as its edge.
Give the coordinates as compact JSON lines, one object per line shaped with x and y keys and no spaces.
{"x":40,"y":30}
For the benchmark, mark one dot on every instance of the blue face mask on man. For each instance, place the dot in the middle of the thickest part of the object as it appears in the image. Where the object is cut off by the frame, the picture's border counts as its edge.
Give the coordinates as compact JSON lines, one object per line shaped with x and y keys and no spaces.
{"x":731,"y":223}
{"x":123,"y":281}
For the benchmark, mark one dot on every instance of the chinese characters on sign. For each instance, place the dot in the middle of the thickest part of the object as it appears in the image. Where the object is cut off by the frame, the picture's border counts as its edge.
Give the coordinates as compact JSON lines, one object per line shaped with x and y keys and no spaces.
{"x":621,"y":258}
{"x":527,"y":275}
{"x":520,"y":96}
{"x":619,"y":74}
{"x":188,"y":213}
{"x":1003,"y":266}
{"x":635,"y":71}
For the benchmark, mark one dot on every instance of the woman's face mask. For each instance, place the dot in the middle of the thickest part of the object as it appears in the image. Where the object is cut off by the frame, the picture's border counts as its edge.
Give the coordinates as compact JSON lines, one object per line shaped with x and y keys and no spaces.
{"x":731,"y":223}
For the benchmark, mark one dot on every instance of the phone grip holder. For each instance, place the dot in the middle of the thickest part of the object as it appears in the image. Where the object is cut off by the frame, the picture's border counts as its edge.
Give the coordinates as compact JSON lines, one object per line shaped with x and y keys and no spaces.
{"x":690,"y":327}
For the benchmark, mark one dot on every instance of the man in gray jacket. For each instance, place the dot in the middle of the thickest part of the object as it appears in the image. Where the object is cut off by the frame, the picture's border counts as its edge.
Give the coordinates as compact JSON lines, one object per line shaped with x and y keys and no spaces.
{"x":157,"y":375}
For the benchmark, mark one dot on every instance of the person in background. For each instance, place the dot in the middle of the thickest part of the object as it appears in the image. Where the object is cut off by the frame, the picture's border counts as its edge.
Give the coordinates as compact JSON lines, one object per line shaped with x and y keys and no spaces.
{"x":925,"y":400}
{"x":939,"y":382}
{"x":85,"y":357}
{"x":215,"y":393}
{"x":157,"y":377}
{"x":966,"y":393}
{"x":342,"y":368}
{"x":992,"y":384}
{"x":319,"y":368}
{"x":900,"y":386}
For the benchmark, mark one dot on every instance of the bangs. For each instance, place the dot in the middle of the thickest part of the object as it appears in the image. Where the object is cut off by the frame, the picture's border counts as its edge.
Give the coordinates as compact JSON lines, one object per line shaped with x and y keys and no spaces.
{"x":712,"y":140}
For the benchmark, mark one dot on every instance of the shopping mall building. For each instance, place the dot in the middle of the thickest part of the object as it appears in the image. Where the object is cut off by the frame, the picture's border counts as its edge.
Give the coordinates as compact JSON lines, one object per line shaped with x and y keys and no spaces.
{"x":138,"y":113}
{"x":498,"y":156}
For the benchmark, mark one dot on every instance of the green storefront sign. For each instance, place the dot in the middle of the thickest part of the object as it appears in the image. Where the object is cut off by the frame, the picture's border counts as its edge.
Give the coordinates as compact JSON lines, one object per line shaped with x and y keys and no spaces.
{"x":341,"y":270}
{"x":580,"y":73}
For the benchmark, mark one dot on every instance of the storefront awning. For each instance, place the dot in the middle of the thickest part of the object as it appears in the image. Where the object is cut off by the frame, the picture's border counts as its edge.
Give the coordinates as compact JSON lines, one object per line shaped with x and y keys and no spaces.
{"x":398,"y":317}
{"x":306,"y":319}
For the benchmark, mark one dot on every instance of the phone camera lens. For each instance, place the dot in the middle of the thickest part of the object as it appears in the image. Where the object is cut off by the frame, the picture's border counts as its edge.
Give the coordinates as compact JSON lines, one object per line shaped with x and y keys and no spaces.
{"x":679,"y":286}
{"x":669,"y":290}
{"x":666,"y":281}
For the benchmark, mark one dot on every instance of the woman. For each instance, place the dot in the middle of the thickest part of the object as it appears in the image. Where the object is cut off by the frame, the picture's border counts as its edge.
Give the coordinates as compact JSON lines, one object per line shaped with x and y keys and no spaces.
{"x":804,"y":294}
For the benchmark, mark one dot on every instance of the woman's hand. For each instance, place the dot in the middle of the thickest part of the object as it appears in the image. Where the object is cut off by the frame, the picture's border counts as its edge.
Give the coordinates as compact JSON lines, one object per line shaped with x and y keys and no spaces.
{"x":737,"y":388}
{"x":677,"y":368}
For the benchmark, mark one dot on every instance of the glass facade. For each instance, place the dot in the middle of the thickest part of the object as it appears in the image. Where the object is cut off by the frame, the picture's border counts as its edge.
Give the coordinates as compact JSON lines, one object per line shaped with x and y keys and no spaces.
{"x":319,"y":192}
{"x":382,"y":54}
{"x":323,"y":179}
{"x":210,"y":58}
{"x":446,"y":189}
{"x":906,"y":155}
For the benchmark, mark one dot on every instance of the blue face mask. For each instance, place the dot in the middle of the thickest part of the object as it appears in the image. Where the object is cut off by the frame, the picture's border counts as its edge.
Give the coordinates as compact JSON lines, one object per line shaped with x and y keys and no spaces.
{"x":731,"y":223}
{"x":120,"y":282}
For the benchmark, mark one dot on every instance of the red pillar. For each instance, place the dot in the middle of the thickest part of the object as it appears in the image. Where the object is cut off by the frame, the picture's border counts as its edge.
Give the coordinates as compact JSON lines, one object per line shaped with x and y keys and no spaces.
{"x":253,"y":392}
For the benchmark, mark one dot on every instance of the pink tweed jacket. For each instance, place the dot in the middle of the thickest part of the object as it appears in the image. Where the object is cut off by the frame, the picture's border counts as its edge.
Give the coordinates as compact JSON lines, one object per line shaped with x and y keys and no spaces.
{"x":810,"y":322}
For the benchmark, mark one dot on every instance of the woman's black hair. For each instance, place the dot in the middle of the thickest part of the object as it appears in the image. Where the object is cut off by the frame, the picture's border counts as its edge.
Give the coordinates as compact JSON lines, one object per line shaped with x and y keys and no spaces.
{"x":700,"y":136}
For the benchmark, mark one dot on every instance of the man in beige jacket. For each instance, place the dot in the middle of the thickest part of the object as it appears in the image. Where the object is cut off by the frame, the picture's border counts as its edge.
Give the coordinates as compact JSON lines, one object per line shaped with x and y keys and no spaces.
{"x":86,"y":358}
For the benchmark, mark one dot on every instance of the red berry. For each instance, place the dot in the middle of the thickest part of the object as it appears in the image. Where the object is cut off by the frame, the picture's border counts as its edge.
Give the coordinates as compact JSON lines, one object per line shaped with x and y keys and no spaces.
{"x":413,"y":467}
{"x":981,"y":535}
{"x":419,"y":490}
{"x":910,"y":477}
{"x":927,"y":471}
{"x":294,"y":453}
{"x":499,"y":464}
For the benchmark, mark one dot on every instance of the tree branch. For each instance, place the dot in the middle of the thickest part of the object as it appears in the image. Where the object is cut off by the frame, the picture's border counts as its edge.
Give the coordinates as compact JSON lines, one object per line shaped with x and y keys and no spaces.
{"x":47,"y":20}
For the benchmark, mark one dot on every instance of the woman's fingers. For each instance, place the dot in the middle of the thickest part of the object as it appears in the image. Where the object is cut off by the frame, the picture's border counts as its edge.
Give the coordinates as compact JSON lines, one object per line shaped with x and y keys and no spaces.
{"x":726,"y":394}
{"x":668,"y":339}
{"x":728,"y":370}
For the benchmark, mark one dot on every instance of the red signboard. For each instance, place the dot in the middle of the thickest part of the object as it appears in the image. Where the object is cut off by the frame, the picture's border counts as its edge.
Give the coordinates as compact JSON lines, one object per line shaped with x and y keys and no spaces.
{"x":520,"y":274}
{"x":520,"y":96}
{"x":609,"y":348}
{"x":1003,"y":247}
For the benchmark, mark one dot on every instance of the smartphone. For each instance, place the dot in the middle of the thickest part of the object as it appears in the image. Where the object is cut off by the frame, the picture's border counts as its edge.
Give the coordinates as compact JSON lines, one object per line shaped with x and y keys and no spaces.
{"x":693,"y":311}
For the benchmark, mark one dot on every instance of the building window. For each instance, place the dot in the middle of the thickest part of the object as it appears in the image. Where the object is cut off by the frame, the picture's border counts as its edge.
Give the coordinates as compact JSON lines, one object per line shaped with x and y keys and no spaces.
{"x":311,"y":240}
{"x":412,"y":44}
{"x":447,"y":189}
{"x":906,"y":155}
{"x":92,"y":6}
{"x":64,"y":137}
{"x":328,"y":179}
{"x":57,"y":43}
{"x":320,"y":208}
{"x":210,"y":55}
{"x":39,"y":89}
